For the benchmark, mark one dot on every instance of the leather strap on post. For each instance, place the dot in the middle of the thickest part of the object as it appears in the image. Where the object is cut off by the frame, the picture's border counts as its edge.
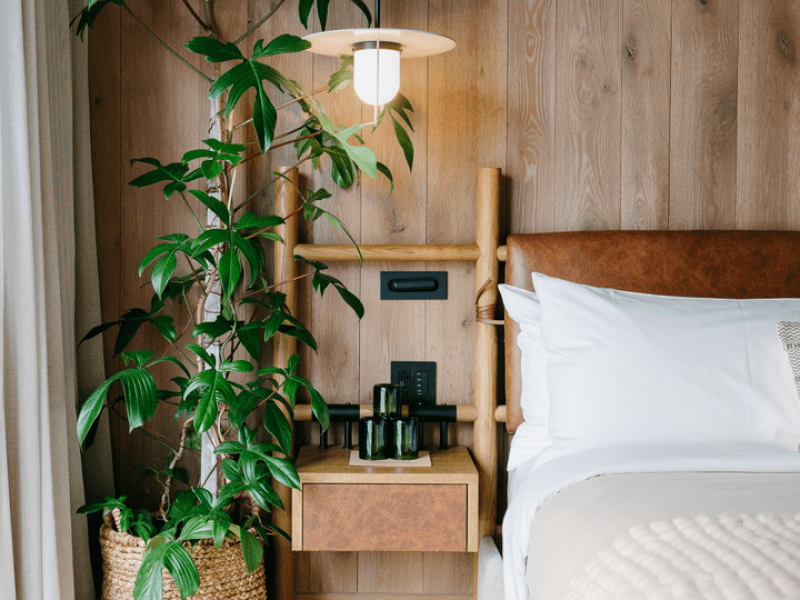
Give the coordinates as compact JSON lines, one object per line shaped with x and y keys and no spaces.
{"x":485,"y":314}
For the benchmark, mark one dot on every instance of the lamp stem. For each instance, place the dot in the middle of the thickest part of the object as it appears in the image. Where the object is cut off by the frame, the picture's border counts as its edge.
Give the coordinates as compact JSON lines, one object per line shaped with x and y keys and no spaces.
{"x":377,"y":13}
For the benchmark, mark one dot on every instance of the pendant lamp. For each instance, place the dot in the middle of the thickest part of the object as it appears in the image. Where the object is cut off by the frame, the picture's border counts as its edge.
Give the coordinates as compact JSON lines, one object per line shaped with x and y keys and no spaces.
{"x":376,"y":54}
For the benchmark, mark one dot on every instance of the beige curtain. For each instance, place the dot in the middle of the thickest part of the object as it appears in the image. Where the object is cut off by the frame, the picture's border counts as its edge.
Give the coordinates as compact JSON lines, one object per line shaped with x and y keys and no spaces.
{"x":49,"y":280}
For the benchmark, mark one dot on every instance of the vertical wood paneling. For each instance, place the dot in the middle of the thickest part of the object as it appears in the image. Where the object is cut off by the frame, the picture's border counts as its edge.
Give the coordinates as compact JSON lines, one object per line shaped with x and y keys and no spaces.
{"x":162,"y":123}
{"x":467,"y":120}
{"x":769,"y":77}
{"x":104,"y":94}
{"x":644,"y":176}
{"x":642,"y":114}
{"x":335,"y":368}
{"x":588,"y":105}
{"x":394,"y":330}
{"x":531,"y":116}
{"x":703,"y":114}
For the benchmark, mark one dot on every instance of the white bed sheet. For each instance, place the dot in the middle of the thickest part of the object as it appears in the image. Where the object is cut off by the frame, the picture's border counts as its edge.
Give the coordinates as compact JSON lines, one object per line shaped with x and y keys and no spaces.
{"x":533,"y":483}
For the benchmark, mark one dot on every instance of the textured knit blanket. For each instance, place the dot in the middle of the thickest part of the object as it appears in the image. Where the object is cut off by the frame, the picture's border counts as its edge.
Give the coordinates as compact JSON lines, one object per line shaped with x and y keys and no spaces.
{"x":728,"y":557}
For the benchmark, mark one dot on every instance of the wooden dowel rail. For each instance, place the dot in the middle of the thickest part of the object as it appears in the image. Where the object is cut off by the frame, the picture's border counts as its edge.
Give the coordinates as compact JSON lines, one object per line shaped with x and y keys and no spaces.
{"x":464,"y":413}
{"x":287,"y":201}
{"x":487,"y":269}
{"x":501,"y":414}
{"x":389,"y":252}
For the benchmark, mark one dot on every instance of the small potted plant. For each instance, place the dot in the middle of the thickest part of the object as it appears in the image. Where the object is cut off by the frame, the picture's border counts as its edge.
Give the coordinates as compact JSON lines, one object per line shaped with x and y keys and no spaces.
{"x":220,"y":384}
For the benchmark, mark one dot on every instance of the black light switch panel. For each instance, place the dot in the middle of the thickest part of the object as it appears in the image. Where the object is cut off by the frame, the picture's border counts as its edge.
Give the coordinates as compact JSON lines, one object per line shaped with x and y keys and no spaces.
{"x":418,"y":380}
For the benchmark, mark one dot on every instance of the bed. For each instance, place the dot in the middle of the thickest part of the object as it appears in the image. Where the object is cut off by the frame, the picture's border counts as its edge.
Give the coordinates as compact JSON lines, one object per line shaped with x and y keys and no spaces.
{"x":656,"y":415}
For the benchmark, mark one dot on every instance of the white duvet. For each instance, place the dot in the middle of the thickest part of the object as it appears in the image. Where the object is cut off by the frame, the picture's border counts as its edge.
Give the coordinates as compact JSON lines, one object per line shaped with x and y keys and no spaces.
{"x":532,"y":484}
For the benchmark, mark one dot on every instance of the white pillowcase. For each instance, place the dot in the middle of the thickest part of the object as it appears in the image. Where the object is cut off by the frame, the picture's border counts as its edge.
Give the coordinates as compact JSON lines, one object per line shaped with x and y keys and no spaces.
{"x":531,"y":436}
{"x":627,"y":368}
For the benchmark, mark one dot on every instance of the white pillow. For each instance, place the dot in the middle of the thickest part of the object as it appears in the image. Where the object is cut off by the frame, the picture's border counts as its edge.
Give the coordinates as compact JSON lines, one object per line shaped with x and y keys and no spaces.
{"x":628,"y":368}
{"x":531,"y":436}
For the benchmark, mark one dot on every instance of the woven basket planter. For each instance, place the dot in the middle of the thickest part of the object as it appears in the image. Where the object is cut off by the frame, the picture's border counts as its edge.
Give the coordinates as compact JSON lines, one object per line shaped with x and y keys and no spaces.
{"x":223,"y":574}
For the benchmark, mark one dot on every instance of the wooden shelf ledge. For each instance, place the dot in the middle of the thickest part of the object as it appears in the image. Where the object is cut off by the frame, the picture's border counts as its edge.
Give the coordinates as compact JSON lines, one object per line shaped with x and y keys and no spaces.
{"x":389,"y":252}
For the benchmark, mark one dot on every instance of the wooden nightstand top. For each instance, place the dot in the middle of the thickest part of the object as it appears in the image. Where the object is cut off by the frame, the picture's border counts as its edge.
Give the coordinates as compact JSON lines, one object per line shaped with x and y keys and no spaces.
{"x":333,"y":466}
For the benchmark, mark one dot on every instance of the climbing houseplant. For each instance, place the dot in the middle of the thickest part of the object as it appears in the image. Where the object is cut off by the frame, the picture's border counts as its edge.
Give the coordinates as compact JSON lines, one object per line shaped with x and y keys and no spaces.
{"x":217,"y":276}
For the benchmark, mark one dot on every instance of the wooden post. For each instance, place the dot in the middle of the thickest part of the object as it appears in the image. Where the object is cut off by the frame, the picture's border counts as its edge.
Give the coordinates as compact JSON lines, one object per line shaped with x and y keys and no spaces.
{"x":286,"y":201}
{"x":487,"y":268}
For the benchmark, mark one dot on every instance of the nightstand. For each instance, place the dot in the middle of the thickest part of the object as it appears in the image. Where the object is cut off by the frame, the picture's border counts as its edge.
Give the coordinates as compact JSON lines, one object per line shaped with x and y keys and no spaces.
{"x":419,"y":509}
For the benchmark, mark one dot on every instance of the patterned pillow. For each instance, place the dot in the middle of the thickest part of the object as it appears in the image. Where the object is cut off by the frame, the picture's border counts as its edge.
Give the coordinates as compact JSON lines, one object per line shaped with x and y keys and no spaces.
{"x":789,"y":333}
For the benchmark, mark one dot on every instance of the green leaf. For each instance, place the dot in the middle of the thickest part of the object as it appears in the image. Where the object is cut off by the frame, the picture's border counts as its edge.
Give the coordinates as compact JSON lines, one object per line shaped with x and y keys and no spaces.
{"x":213,"y":329}
{"x":252,"y":253}
{"x":305,"y":10}
{"x":218,"y":531}
{"x":91,"y":408}
{"x":165,"y":327}
{"x":138,"y":357}
{"x":162,"y":272}
{"x":319,"y":408}
{"x":196,"y":528}
{"x":195,"y":154}
{"x":245,"y":403}
{"x":149,"y":582}
{"x":250,"y":74}
{"x":264,"y":495}
{"x":362,"y":156}
{"x":153,"y":254}
{"x":88,"y":15}
{"x":208,"y":239}
{"x":343,"y":77}
{"x":282,"y":469}
{"x":228,"y":492}
{"x":364,"y":11}
{"x":214,"y":205}
{"x":322,"y":11}
{"x":199,"y":351}
{"x":211,"y":169}
{"x":276,"y":423}
{"x":95,"y":331}
{"x":230,"y":271}
{"x":139,"y":390}
{"x":238,"y":366}
{"x":214,"y":50}
{"x":206,"y":412}
{"x":229,"y":448}
{"x":283,"y":44}
{"x":252,"y":551}
{"x":384,"y":170}
{"x":174,"y":173}
{"x":404,"y":141}
{"x":128,"y":327}
{"x":230,"y":469}
{"x":252,"y":221}
{"x":248,"y":335}
{"x":351,"y":300}
{"x":300,"y":334}
{"x":173,"y":360}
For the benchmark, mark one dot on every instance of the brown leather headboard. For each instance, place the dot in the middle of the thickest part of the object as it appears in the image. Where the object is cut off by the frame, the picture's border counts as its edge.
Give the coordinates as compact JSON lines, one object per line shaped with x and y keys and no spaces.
{"x":721,"y":264}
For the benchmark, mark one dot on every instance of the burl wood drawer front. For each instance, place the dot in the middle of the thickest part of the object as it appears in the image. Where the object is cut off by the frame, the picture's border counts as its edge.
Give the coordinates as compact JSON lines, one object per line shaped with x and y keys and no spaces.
{"x":351,"y":517}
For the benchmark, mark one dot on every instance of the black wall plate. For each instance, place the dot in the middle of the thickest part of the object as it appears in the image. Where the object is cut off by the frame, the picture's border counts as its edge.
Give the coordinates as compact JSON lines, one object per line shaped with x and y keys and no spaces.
{"x":413,"y":285}
{"x":418,"y":380}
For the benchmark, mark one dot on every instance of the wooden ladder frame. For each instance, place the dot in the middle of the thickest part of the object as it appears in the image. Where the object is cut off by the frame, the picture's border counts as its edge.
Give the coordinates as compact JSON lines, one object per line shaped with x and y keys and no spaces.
{"x":484,"y":413}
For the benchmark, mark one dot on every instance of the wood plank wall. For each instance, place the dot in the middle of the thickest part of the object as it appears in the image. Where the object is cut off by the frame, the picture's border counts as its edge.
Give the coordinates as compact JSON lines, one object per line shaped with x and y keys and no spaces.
{"x":621,"y":114}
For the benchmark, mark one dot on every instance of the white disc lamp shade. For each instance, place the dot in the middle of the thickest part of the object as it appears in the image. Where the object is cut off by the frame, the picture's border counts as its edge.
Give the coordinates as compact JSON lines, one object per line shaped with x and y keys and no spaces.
{"x":376,"y":56}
